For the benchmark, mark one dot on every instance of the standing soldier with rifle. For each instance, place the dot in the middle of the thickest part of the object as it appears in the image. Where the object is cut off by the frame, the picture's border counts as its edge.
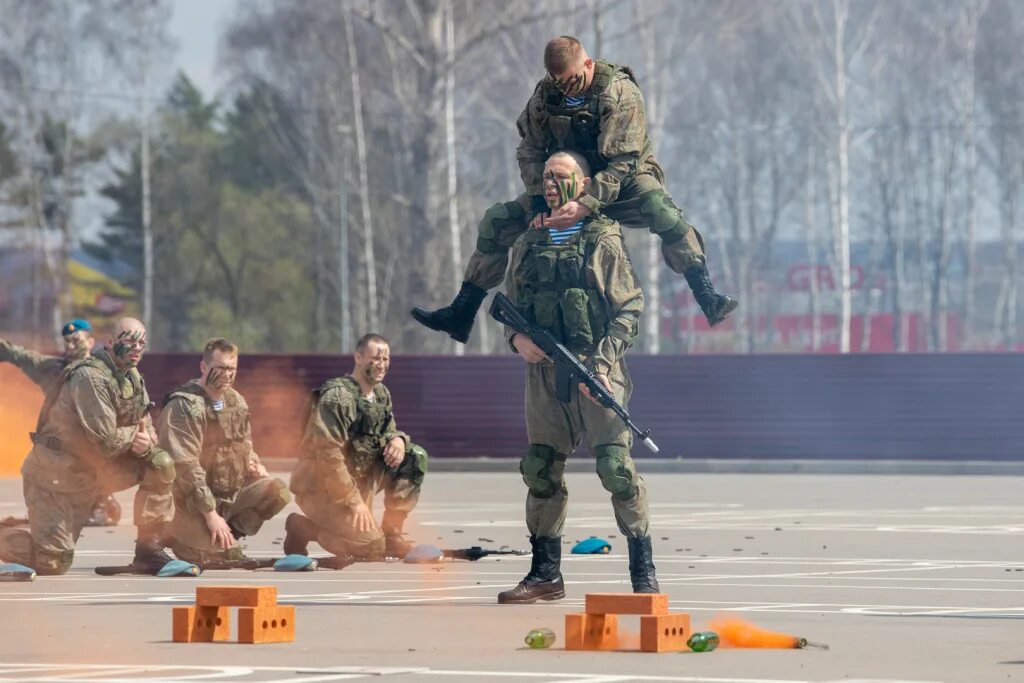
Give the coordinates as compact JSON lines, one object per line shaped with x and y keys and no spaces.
{"x":45,"y":371}
{"x":222,"y":492}
{"x":351,"y":450}
{"x":579,"y":285}
{"x":596,"y":109}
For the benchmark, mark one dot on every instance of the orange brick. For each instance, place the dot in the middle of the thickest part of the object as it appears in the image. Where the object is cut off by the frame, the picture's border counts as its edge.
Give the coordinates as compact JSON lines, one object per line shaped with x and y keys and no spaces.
{"x":627,"y":603}
{"x":200,"y":624}
{"x":266,"y":624}
{"x":591,"y":631}
{"x":664,"y":632}
{"x":236,"y":596}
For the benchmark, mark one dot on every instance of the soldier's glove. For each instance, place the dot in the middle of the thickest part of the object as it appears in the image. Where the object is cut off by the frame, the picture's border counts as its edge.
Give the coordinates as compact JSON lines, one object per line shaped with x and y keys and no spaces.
{"x":538,"y":204}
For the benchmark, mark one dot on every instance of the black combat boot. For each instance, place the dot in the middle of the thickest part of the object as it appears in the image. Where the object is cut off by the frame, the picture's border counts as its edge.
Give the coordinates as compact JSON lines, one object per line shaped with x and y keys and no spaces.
{"x":641,"y":566}
{"x":456,"y":319}
{"x":106,"y":511}
{"x":299,"y":530}
{"x":394,"y":539}
{"x":544,"y":582}
{"x":150,"y":555}
{"x":716,"y":307}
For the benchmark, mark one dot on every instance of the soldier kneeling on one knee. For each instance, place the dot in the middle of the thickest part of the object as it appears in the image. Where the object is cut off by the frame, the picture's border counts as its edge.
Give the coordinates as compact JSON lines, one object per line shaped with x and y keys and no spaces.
{"x":222,"y":492}
{"x":351,"y":450}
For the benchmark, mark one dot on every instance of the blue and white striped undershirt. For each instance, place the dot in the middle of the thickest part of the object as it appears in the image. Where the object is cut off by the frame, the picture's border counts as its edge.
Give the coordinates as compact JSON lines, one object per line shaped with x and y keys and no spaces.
{"x":558,"y":236}
{"x":218,"y":405}
{"x":575,"y":101}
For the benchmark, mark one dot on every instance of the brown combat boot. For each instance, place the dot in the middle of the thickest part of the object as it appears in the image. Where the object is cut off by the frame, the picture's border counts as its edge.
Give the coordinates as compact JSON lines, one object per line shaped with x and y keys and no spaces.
{"x":150,"y":556}
{"x":299,"y":532}
{"x":395,"y":544}
{"x":544,"y":581}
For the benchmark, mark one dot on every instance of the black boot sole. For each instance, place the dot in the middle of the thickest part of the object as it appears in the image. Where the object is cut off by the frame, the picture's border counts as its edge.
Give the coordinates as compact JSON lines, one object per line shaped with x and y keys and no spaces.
{"x":547,"y":597}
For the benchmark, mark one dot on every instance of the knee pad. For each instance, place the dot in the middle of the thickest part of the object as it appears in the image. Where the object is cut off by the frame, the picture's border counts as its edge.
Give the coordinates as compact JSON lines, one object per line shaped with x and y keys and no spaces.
{"x":160,"y":469}
{"x":414,"y":466}
{"x":273,"y":498}
{"x":615,"y":468}
{"x":497,"y":217}
{"x":542,"y":468}
{"x":663,"y":217}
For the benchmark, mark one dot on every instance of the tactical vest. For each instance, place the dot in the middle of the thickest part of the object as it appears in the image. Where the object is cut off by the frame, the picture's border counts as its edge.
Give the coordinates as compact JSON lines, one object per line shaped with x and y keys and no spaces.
{"x":366,"y":434}
{"x":554,"y":291}
{"x":226,"y":439}
{"x":577,"y":128}
{"x":129,"y":408}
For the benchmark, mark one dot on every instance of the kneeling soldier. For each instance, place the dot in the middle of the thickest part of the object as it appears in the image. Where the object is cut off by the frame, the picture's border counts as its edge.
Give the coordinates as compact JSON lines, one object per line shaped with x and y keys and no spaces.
{"x":222,"y":492}
{"x":351,"y":450}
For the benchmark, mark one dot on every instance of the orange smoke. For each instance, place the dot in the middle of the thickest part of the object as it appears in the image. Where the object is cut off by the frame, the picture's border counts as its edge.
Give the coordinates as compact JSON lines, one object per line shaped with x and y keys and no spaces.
{"x":20,"y":400}
{"x":735,"y":632}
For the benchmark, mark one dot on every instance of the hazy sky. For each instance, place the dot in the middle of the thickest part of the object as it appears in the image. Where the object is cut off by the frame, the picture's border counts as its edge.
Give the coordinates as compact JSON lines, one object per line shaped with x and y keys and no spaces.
{"x":196,"y":25}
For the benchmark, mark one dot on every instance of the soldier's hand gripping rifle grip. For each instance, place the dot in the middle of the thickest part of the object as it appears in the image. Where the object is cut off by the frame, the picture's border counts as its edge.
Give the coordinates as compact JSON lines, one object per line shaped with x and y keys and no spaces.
{"x":568,"y":366}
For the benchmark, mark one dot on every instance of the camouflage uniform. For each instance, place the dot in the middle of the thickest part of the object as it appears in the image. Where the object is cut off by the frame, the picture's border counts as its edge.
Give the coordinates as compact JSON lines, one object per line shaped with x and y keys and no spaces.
{"x":341,"y":464}
{"x":212,"y":452}
{"x":81,"y":447}
{"x":610,"y":130}
{"x":586,"y":294}
{"x":43,"y":370}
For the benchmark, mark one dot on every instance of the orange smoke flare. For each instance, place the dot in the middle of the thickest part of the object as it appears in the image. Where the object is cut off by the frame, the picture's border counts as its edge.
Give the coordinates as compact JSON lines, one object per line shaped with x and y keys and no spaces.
{"x":739,"y":633}
{"x":19,"y":408}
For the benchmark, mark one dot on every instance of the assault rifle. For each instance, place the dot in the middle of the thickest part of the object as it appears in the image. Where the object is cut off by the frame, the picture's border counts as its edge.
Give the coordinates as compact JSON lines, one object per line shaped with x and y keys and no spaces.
{"x":475,"y":552}
{"x":569,"y":371}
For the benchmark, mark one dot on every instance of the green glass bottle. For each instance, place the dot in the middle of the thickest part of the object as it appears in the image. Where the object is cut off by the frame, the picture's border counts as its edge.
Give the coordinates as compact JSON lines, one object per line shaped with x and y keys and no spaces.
{"x":705,"y":641}
{"x":540,"y":638}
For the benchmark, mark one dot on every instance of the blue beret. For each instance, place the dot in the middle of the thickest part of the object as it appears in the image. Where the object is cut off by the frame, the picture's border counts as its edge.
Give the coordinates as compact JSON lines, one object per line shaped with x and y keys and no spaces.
{"x":76,"y":325}
{"x":592,"y":546}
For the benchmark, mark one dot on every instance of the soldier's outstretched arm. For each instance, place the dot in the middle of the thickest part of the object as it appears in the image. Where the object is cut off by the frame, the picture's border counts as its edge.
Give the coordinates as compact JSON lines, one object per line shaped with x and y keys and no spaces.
{"x":622,"y":140}
{"x":94,"y":406}
{"x":181,"y":435}
{"x":42,"y":370}
{"x":616,"y":280}
{"x":326,"y":435}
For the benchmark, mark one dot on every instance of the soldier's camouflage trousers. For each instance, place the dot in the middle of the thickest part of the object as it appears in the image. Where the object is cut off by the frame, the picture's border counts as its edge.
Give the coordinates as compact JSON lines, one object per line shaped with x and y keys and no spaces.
{"x":555,"y":430}
{"x":56,"y":518}
{"x":642,"y":203}
{"x":55,"y":522}
{"x":257,"y":502}
{"x":401,"y":487}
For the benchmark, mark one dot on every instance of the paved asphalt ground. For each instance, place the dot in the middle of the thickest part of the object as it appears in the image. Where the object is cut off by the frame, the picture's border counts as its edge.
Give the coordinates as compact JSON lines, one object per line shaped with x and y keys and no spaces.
{"x":907,"y":578}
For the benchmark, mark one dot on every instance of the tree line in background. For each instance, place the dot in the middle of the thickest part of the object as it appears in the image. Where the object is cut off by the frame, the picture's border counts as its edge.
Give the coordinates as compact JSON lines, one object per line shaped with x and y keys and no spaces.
{"x":338,"y":178}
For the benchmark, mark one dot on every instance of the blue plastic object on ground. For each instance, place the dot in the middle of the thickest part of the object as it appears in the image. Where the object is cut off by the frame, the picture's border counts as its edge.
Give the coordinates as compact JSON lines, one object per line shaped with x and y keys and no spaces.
{"x":179,"y":568}
{"x":10,"y":571}
{"x":295,"y":563}
{"x":423,"y":553}
{"x":592,"y":546}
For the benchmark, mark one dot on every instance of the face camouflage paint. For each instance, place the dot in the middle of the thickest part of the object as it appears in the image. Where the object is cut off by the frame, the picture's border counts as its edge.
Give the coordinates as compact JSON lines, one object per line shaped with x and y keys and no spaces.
{"x":129,"y":346}
{"x":567,"y":190}
{"x":570,"y":85}
{"x":75,"y":348}
{"x":221,"y":376}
